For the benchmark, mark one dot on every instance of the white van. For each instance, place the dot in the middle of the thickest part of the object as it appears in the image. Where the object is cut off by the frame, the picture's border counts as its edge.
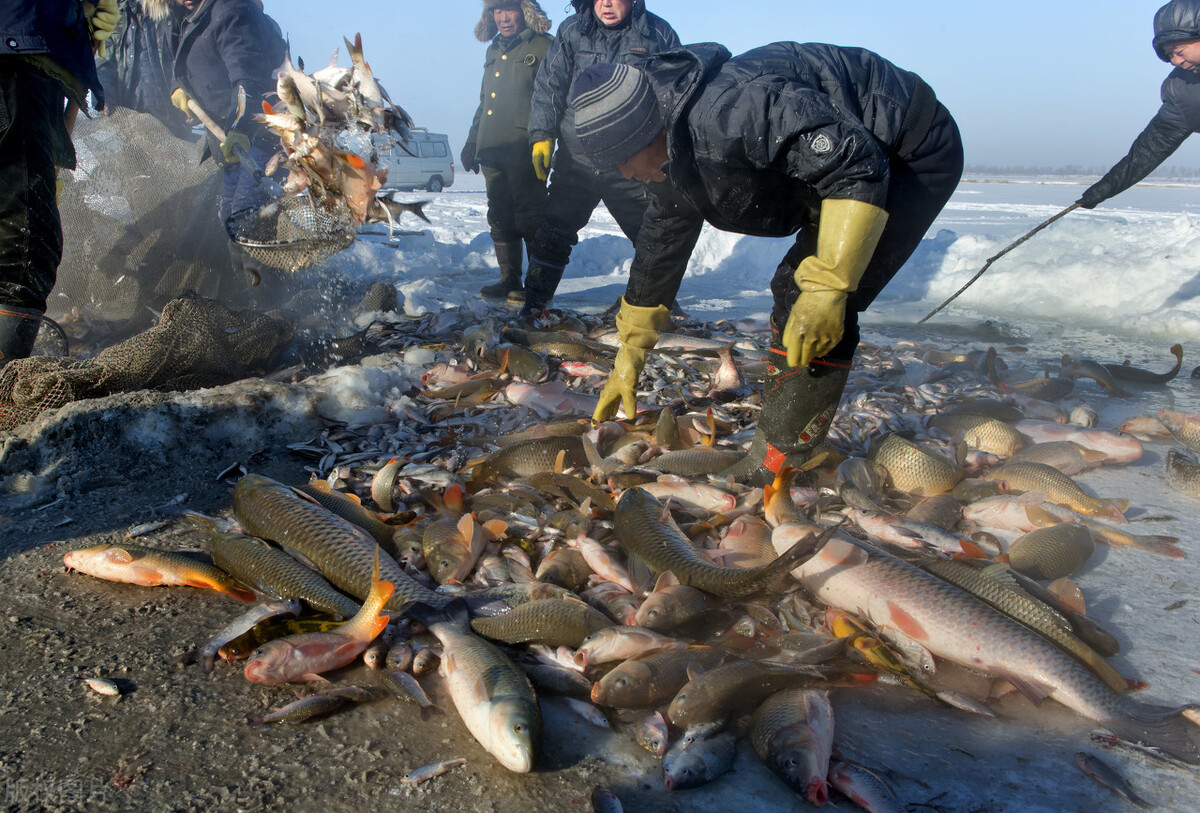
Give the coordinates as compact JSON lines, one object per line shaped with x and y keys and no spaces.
{"x":427,"y":163}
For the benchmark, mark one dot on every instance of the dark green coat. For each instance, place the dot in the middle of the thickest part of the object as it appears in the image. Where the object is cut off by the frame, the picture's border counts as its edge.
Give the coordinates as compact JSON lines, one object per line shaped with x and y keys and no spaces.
{"x":502,"y":120}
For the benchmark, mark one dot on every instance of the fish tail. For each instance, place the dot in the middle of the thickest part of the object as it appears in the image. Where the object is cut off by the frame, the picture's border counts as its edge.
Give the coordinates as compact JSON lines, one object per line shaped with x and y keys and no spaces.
{"x":802,"y":549}
{"x":456,"y":612}
{"x":1159,"y":546}
{"x":1158,"y":726}
{"x":369,"y":614}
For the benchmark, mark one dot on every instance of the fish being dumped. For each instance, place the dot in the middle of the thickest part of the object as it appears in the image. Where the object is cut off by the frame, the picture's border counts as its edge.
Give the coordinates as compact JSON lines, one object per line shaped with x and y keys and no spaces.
{"x":954,"y":625}
{"x":646,"y":530}
{"x":493,"y":697}
{"x":304,"y":657}
{"x":134,"y":564}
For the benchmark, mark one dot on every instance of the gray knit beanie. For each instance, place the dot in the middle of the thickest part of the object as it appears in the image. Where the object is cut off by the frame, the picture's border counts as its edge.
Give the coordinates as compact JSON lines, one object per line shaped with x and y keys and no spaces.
{"x":616,"y":113}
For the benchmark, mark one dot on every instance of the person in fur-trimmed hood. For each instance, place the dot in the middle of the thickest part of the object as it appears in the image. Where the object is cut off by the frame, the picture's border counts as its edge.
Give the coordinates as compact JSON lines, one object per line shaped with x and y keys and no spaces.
{"x":1177,"y":41}
{"x":498,"y":139}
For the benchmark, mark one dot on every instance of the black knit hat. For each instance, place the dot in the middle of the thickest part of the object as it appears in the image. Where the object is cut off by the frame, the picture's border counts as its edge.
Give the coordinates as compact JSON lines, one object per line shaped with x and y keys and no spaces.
{"x":616,"y":113}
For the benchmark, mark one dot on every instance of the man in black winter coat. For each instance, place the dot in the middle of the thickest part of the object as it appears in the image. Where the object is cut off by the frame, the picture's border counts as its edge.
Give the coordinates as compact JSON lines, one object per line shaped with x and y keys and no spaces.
{"x":138,"y":71}
{"x":46,"y":61}
{"x":620,"y":31}
{"x":1176,"y":40}
{"x":225,"y":45}
{"x":838,"y":146}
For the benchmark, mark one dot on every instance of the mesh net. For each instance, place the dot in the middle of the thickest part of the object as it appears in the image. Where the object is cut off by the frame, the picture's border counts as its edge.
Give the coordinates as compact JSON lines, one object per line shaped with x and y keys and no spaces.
{"x":198,"y":342}
{"x":140,"y":227}
{"x":291,"y":233}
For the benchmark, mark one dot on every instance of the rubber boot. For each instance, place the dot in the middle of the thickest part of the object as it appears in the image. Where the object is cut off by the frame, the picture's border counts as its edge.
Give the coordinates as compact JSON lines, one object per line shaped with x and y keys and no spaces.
{"x":798,"y":407}
{"x":18,"y":332}
{"x":541,"y":281}
{"x":510,"y":257}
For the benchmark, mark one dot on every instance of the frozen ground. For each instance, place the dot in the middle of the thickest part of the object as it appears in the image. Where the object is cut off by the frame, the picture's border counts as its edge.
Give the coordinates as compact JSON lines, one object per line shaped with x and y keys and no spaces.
{"x":1115,"y":283}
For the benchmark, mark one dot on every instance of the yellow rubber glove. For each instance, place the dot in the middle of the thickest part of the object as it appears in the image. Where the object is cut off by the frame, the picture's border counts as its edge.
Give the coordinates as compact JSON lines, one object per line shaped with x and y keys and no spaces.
{"x":234,"y":141}
{"x":638,"y":329}
{"x":847,"y":235}
{"x":180,"y":99}
{"x":102,"y":17}
{"x":541,"y":158}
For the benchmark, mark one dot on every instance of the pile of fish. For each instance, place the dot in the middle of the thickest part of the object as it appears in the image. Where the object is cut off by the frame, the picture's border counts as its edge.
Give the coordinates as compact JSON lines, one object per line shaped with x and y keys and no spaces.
{"x":325,"y":122}
{"x":494,"y":530}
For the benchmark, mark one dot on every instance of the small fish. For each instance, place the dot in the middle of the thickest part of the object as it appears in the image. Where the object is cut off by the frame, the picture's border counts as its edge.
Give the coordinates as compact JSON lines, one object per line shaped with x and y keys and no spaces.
{"x":605,"y":801}
{"x":1107,"y":776}
{"x":306,"y":708}
{"x":427,"y":772}
{"x":406,"y":687}
{"x":622,"y":643}
{"x":696,"y":763}
{"x":864,"y":788}
{"x":102,"y":686}
{"x":244,"y":623}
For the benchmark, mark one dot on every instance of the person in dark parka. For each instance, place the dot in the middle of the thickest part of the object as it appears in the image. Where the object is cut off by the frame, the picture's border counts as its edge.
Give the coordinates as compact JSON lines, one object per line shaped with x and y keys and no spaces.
{"x":838,"y":146}
{"x":499,"y":137}
{"x":138,"y":71}
{"x":46,"y":61}
{"x":620,"y":31}
{"x":224,"y":45}
{"x":1176,"y":40}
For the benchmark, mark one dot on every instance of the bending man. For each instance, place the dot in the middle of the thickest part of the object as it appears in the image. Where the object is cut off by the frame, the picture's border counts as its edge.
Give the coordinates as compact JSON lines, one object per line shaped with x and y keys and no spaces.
{"x":838,"y":146}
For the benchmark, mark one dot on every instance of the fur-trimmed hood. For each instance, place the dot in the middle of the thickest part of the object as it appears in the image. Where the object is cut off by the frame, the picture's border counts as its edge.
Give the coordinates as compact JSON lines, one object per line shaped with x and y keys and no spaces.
{"x":157,"y":10}
{"x":485,"y":29}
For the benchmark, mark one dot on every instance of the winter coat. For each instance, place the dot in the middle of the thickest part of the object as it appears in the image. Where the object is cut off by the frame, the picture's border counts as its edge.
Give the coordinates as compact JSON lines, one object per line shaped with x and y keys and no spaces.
{"x":502,"y":119}
{"x":54,"y":28}
{"x":138,"y":71}
{"x":1176,"y":119}
{"x":224,"y":44}
{"x":582,"y":41}
{"x":757,"y":141}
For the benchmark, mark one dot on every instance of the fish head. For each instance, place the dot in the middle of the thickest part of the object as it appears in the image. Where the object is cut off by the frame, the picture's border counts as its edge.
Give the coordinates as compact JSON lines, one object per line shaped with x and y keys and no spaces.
{"x":516,"y":728}
{"x":270,"y":662}
{"x":623,"y":687}
{"x":410,"y":551}
{"x":658,"y":612}
{"x":685,"y":771}
{"x":652,"y":734}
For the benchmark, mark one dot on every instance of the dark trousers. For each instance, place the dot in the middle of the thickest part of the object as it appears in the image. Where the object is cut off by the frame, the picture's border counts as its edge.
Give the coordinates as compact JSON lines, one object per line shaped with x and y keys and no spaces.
{"x":918,"y":190}
{"x":575,"y":192}
{"x":33,"y":138}
{"x":515,"y":195}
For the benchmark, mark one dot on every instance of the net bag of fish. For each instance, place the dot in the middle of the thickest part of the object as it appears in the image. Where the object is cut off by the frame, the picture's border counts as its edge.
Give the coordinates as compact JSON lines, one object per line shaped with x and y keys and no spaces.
{"x":140,"y":227}
{"x":197,"y":343}
{"x":325,"y":123}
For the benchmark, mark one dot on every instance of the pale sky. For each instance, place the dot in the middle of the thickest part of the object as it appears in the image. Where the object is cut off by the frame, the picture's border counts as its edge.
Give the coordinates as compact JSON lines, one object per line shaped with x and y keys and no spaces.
{"x":1047,"y":83}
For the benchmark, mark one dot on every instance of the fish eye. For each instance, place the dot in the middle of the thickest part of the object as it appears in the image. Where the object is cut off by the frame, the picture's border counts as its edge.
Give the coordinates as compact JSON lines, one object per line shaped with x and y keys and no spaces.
{"x":652,"y":613}
{"x":620,"y":682}
{"x":518,"y":728}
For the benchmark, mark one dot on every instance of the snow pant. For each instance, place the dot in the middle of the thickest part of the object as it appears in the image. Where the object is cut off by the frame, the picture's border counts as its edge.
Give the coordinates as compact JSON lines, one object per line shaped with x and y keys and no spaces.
{"x":516,"y":197}
{"x":575,"y":191}
{"x":33,"y":143}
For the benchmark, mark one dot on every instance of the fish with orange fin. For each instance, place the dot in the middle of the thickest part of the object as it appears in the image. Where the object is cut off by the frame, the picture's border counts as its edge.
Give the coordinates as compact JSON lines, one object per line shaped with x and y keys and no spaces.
{"x":304,"y":657}
{"x":134,"y":564}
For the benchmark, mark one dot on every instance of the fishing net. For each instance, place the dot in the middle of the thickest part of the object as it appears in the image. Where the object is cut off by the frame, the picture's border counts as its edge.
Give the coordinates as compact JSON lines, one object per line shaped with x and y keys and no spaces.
{"x":140,"y":227}
{"x":198,"y":342}
{"x":291,"y":233}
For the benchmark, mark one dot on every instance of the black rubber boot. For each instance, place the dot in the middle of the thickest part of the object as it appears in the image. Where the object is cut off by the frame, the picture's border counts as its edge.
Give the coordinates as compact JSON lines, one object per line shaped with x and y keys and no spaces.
{"x":541,"y":281}
{"x":510,"y":257}
{"x":18,"y":332}
{"x":798,"y":407}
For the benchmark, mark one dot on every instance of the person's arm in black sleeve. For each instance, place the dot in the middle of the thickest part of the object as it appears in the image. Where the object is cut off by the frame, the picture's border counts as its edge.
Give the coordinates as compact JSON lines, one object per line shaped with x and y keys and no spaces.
{"x":550,"y":89}
{"x":247,"y":45}
{"x":1162,"y":136}
{"x":668,"y":235}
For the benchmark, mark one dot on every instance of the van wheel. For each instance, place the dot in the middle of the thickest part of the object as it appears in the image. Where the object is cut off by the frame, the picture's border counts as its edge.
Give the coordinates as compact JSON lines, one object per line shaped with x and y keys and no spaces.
{"x":435,"y":184}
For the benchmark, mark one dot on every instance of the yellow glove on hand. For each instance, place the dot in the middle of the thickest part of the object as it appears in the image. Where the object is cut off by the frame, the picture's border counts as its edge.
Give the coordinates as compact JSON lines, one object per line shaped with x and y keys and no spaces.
{"x":638,"y":329}
{"x":232,"y":143}
{"x":180,"y":99}
{"x":847,"y":235}
{"x":102,"y":17}
{"x":541,"y":158}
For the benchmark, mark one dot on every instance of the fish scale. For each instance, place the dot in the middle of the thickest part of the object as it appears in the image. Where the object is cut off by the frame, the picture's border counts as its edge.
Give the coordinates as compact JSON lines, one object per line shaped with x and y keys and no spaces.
{"x":1052,"y":552}
{"x":344,"y":553}
{"x":1058,"y":488}
{"x":551,"y":621}
{"x":914,"y":470}
{"x":253,"y":561}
